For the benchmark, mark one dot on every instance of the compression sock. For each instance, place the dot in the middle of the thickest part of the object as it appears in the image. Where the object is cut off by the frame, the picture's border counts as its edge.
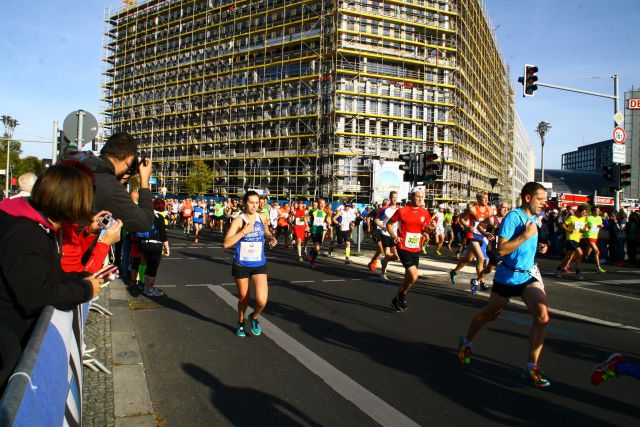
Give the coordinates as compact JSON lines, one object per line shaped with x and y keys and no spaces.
{"x":141,"y":271}
{"x":347,"y":252}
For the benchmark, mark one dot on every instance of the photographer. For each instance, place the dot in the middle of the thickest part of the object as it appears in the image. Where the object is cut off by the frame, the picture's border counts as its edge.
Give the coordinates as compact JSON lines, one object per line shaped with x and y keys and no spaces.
{"x":118,"y":158}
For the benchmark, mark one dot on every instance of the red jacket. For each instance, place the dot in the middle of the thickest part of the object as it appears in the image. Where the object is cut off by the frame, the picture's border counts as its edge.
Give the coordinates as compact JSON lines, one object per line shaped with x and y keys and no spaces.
{"x":75,"y":244}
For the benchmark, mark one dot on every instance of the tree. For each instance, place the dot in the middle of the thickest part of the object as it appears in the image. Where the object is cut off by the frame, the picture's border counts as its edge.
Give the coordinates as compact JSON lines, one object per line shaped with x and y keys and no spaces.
{"x":28,"y":164}
{"x":14,"y":158}
{"x":200,"y":178}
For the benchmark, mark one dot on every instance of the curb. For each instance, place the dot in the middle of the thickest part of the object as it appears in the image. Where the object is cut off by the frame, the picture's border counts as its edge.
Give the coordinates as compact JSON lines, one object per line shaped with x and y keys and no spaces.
{"x":131,"y":398}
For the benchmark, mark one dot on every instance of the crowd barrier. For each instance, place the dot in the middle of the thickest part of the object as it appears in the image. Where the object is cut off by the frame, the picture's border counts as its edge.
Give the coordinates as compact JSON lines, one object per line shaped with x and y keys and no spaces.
{"x":45,"y":389}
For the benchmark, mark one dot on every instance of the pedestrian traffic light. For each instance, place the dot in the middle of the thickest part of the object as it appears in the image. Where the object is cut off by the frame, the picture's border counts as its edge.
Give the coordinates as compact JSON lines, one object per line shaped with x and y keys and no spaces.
{"x":407,"y":167}
{"x":625,"y":176}
{"x":429,"y":170}
{"x":529,"y":80}
{"x":608,"y":172}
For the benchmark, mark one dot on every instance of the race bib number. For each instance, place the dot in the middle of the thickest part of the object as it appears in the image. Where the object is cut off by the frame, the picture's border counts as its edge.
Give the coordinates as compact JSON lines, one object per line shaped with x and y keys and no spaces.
{"x":318,"y":221}
{"x":535,"y":273}
{"x":579,"y":225}
{"x":196,"y":214}
{"x":412,"y":240}
{"x":300,"y":221}
{"x":250,"y":251}
{"x":285,"y":215}
{"x":187,"y":211}
{"x":595,"y":228}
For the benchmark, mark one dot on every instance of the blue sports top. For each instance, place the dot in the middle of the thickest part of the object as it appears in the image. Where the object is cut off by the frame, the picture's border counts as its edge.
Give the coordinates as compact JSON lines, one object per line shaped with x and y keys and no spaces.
{"x":515,"y":266}
{"x":198,"y":214}
{"x":250,"y":249}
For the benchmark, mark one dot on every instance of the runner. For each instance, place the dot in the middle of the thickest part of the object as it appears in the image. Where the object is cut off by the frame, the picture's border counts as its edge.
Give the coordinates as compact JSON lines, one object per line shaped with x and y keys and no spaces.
{"x":473,"y":220}
{"x":218,"y":212}
{"x":376,"y":234}
{"x":283,"y":224}
{"x":438,"y":219}
{"x":274,"y":214}
{"x":591,"y":231}
{"x":388,"y":244}
{"x":211,"y":213}
{"x":573,"y":227}
{"x":448,"y":229}
{"x":174,"y":213}
{"x":198,"y":217}
{"x":414,"y":223}
{"x":247,"y":232}
{"x":231,"y":212}
{"x":319,"y":220}
{"x":307,"y":236}
{"x":300,"y":222}
{"x":263,"y":209}
{"x":517,"y":275}
{"x":345,"y":218}
{"x":492,"y":225}
{"x":187,"y":216}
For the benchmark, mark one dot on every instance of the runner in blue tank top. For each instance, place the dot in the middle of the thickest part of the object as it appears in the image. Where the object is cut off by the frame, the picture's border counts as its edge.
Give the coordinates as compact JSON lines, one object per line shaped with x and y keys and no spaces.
{"x":247,"y":232}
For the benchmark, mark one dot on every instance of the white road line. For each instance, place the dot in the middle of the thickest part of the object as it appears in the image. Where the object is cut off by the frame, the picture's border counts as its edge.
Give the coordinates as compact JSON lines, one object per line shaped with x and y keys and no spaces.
{"x":199,"y":285}
{"x":192,"y":258}
{"x":226,"y":284}
{"x":577,"y":286}
{"x":165,"y":286}
{"x":355,"y":280}
{"x":334,"y":280}
{"x":376,"y":408}
{"x":620,"y":282}
{"x":302,"y":281}
{"x":174,"y":258}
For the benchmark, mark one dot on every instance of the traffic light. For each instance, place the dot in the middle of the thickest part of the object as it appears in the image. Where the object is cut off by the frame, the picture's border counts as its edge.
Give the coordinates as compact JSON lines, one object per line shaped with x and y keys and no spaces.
{"x":407,"y":167}
{"x":608,"y":173}
{"x":429,"y":169}
{"x":625,"y":176}
{"x":529,"y":81}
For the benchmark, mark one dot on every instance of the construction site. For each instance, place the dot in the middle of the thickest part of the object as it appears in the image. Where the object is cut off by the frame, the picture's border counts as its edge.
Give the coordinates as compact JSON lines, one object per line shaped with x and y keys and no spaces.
{"x":299,"y":98}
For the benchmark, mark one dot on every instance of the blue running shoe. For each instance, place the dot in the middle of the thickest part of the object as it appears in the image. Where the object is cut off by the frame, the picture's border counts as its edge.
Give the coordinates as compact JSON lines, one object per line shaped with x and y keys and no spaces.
{"x":255,"y":326}
{"x":474,"y":286}
{"x":453,"y":276}
{"x":464,"y":351}
{"x":240,"y":332}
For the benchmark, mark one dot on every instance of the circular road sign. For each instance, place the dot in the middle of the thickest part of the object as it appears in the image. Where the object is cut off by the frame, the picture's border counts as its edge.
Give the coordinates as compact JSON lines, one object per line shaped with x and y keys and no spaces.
{"x":72,"y":123}
{"x":619,"y":135}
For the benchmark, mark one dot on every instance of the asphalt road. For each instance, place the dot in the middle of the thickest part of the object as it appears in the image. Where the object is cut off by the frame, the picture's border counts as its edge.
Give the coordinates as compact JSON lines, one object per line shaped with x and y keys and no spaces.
{"x":334,"y":353}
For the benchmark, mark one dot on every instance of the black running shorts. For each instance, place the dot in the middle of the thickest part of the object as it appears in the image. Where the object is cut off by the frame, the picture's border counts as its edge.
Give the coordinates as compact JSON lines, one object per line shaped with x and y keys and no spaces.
{"x":387,"y":241}
{"x":571,"y":245}
{"x":409,"y":259}
{"x":509,"y":291}
{"x":241,"y":272}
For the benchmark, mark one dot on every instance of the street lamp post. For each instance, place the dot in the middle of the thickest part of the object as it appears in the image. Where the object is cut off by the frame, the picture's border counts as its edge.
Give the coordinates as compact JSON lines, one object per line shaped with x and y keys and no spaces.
{"x":9,"y":126}
{"x":542,"y":129}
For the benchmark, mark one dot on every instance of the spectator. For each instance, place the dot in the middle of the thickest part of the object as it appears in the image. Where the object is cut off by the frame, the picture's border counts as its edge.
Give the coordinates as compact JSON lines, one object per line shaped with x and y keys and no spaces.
{"x":620,"y":237}
{"x":25,"y":182}
{"x":118,"y":158}
{"x":632,"y":236}
{"x":31,"y":276}
{"x":153,"y":248}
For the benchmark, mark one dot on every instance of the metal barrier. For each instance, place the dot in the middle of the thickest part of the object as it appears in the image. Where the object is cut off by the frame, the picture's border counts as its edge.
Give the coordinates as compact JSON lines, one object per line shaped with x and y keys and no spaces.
{"x":45,"y":388}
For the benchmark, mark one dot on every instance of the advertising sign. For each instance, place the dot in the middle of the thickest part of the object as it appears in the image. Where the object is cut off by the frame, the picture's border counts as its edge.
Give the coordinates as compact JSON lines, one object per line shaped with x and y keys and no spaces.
{"x":387,"y":177}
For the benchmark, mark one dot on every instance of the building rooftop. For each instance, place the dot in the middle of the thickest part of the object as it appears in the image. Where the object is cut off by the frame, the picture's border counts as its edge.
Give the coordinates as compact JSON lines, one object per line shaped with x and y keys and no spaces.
{"x":576,"y":182}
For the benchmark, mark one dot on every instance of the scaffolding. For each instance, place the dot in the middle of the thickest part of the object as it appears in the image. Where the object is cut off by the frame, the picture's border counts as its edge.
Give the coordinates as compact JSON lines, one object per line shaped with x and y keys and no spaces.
{"x":299,"y":97}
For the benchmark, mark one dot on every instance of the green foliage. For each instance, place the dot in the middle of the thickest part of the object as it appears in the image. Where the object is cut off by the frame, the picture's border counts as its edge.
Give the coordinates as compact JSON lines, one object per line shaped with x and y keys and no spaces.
{"x":200,"y":179}
{"x":28,"y":164}
{"x":14,"y":157}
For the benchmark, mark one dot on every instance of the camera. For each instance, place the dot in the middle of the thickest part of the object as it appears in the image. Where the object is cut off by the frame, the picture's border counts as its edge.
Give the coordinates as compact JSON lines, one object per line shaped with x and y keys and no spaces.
{"x":138,"y":159}
{"x":106,"y":222}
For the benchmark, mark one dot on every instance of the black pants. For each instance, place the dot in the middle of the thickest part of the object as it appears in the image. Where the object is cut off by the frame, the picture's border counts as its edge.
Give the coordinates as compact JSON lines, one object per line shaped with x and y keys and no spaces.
{"x":152,"y":253}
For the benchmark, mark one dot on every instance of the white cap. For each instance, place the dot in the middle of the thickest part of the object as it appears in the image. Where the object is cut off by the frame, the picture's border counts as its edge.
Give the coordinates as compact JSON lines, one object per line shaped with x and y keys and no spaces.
{"x":416,"y":189}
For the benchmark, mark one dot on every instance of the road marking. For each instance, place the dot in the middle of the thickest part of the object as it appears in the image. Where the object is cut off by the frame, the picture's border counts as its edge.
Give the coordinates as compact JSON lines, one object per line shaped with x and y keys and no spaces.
{"x":174,"y":258}
{"x":619,"y":282}
{"x":577,"y":286}
{"x":165,"y":286}
{"x":192,"y":258}
{"x":199,"y":284}
{"x":376,"y":408}
{"x":334,"y":280}
{"x":355,"y":279}
{"x":302,"y":281}
{"x":226,"y":284}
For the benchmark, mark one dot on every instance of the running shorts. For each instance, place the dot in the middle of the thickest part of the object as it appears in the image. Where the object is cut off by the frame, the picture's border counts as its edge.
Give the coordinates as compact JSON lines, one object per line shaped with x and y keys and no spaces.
{"x":494,"y":258}
{"x":387,"y":241}
{"x":241,"y":272}
{"x":409,"y":259}
{"x":448,"y":230}
{"x":317,"y":236}
{"x":299,"y":232}
{"x":571,"y":245}
{"x":344,"y":236}
{"x":376,"y":235}
{"x":509,"y":291}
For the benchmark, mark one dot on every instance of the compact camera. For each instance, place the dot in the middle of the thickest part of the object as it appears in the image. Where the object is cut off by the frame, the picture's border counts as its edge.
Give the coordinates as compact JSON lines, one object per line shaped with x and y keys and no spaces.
{"x":106,"y":222}
{"x":108,"y":274}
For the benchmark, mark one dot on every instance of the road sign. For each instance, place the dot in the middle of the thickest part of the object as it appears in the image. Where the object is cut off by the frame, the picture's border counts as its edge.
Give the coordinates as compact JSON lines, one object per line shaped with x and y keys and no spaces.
{"x":618,"y":118}
{"x":3,"y":171}
{"x":80,"y":124}
{"x":634,"y":104}
{"x":619,"y":135}
{"x":619,"y":153}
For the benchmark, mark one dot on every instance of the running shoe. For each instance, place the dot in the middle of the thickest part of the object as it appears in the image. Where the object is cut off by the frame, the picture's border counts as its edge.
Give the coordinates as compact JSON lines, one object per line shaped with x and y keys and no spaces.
{"x":403,"y":305}
{"x":397,"y":305}
{"x":240,"y":332}
{"x":300,"y":259}
{"x":347,"y":261}
{"x":474,"y":286}
{"x":330,"y":251}
{"x":606,"y":369}
{"x":424,"y":250}
{"x":558,"y":274}
{"x":255,"y":326}
{"x":453,"y":276}
{"x":384,"y":278}
{"x":438,"y":253}
{"x":565,"y":271}
{"x":153,"y":292}
{"x":600,"y":270}
{"x":464,"y":351}
{"x":536,"y":377}
{"x":578,"y":276}
{"x":372,"y":265}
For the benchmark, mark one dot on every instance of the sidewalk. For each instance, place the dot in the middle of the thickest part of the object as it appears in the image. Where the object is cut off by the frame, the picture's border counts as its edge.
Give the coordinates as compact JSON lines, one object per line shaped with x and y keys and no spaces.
{"x":123,"y":398}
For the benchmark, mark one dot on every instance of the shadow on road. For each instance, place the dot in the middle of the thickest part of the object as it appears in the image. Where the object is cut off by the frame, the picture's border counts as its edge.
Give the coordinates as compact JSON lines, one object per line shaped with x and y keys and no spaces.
{"x":248,"y":407}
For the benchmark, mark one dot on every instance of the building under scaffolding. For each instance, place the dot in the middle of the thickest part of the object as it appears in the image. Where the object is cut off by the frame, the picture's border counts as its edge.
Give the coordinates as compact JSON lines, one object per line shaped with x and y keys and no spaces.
{"x":299,"y":97}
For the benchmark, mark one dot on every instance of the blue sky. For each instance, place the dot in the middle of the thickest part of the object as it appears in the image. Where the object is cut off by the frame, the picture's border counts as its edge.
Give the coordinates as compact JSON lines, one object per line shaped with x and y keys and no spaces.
{"x":50,"y":63}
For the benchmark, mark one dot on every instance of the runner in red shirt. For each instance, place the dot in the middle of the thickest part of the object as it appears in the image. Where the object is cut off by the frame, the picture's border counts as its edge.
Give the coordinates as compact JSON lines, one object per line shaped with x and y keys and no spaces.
{"x":414,"y":224}
{"x":300,"y":222}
